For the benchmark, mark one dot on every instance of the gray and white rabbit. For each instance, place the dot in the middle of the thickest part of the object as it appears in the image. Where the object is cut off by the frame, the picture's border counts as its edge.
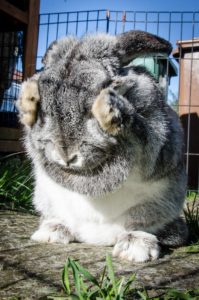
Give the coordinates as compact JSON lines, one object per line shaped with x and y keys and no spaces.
{"x":106,"y":147}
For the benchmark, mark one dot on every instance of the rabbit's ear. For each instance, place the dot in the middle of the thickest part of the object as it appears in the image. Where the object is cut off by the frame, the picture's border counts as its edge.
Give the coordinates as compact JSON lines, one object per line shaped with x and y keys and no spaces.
{"x":136,"y":42}
{"x":58,"y":50}
{"x":49,"y":52}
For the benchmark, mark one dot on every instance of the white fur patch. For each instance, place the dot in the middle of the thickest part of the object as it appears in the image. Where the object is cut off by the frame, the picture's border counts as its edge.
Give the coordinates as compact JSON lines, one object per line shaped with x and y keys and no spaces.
{"x":137,"y":246}
{"x":96,"y":220}
{"x":52,"y":232}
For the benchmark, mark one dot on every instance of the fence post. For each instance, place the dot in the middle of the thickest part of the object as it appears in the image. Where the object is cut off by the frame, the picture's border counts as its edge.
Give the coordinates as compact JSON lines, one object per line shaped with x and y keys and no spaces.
{"x":107,"y":20}
{"x":123,"y":20}
{"x":31,"y":38}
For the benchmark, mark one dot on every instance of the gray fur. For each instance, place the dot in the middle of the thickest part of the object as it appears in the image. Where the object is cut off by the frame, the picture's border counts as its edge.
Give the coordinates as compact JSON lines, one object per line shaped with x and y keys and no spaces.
{"x":150,"y":140}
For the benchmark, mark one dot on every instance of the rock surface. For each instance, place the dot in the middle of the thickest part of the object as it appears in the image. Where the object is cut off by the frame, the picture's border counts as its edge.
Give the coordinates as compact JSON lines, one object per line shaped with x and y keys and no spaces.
{"x":33,"y":271}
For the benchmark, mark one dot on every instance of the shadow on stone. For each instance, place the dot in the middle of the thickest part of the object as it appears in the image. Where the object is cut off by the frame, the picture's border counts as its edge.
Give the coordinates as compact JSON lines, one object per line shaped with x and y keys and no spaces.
{"x":33,"y":271}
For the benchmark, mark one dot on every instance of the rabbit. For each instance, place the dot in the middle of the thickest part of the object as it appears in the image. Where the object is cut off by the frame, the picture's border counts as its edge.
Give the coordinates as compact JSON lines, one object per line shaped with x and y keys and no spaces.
{"x":107,"y":149}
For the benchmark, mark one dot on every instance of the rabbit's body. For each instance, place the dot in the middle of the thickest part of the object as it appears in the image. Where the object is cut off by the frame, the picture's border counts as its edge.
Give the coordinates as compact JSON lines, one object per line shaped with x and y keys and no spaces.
{"x":99,"y":220}
{"x":107,"y":149}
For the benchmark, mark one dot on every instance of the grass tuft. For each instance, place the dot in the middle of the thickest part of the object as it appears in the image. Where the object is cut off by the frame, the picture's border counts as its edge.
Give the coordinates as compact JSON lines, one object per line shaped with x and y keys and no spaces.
{"x":16,"y":183}
{"x":191,"y":213}
{"x":88,"y":287}
{"x":84,"y":286}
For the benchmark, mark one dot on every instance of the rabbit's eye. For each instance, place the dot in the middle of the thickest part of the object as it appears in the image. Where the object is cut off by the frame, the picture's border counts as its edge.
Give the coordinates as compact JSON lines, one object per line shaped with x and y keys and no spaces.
{"x":88,"y":114}
{"x":44,"y":141}
{"x":106,"y":84}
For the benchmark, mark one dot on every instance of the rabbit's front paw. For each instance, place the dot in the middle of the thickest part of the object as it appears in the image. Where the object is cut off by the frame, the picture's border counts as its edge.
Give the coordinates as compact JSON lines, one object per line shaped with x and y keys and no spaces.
{"x":109,"y":109}
{"x":28,"y":102}
{"x":137,"y":246}
{"x":52,"y":233}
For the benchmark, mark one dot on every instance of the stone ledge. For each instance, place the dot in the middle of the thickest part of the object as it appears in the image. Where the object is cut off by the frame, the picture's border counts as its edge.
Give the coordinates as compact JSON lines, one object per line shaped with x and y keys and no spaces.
{"x":33,"y":271}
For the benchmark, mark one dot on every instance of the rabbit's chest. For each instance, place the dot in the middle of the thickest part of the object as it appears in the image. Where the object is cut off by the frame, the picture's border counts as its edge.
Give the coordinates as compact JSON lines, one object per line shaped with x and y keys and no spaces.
{"x":56,"y":201}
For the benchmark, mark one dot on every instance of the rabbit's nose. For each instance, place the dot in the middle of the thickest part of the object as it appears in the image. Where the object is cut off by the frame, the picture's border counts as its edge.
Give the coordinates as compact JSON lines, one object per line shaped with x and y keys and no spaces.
{"x":73,"y":161}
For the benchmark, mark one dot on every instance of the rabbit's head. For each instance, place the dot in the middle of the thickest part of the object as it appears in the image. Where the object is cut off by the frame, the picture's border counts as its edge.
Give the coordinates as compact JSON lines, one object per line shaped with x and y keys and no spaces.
{"x":82,"y":134}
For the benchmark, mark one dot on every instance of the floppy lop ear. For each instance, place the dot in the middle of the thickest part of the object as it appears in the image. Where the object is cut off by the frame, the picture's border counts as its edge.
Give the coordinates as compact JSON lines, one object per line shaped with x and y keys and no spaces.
{"x":58,"y":50}
{"x":48,"y":54}
{"x":135,"y":42}
{"x":110,"y":108}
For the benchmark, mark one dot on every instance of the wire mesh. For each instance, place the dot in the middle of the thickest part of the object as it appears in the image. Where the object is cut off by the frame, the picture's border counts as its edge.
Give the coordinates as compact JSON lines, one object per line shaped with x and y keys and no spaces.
{"x":11,"y":74}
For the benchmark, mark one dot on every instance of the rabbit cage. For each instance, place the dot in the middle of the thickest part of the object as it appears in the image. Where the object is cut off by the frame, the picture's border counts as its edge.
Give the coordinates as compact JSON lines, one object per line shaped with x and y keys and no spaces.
{"x":18,"y":22}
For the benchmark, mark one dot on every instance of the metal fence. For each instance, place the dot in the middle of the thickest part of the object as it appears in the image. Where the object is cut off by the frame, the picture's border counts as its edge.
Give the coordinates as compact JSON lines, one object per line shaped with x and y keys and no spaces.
{"x":180,"y":28}
{"x":11,"y":74}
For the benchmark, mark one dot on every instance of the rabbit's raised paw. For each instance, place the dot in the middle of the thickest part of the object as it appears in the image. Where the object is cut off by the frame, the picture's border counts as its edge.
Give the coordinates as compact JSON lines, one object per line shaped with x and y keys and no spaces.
{"x":108,"y":110}
{"x":28,"y":102}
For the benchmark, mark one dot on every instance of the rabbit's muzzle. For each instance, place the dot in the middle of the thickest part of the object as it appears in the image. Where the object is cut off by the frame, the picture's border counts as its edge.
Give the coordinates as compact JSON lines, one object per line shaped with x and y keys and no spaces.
{"x":84,"y":156}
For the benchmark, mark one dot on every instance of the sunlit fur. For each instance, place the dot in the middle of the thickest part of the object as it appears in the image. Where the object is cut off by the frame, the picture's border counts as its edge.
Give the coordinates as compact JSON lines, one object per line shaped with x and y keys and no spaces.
{"x":106,"y":147}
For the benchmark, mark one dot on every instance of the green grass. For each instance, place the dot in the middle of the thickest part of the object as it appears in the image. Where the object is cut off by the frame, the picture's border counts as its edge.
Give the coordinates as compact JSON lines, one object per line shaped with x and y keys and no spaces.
{"x":88,"y":287}
{"x":80,"y":284}
{"x":16,"y":183}
{"x":192,"y":195}
{"x":191,"y":213}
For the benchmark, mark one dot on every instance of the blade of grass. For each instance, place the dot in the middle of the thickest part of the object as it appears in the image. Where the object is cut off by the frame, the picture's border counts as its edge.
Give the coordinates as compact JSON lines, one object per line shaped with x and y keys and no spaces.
{"x":143,"y":295}
{"x":102,"y":280}
{"x":192,"y":248}
{"x":65,"y":278}
{"x":120,"y":290}
{"x":111,"y":272}
{"x":129,"y":282}
{"x":87,"y":274}
{"x":76,"y":277}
